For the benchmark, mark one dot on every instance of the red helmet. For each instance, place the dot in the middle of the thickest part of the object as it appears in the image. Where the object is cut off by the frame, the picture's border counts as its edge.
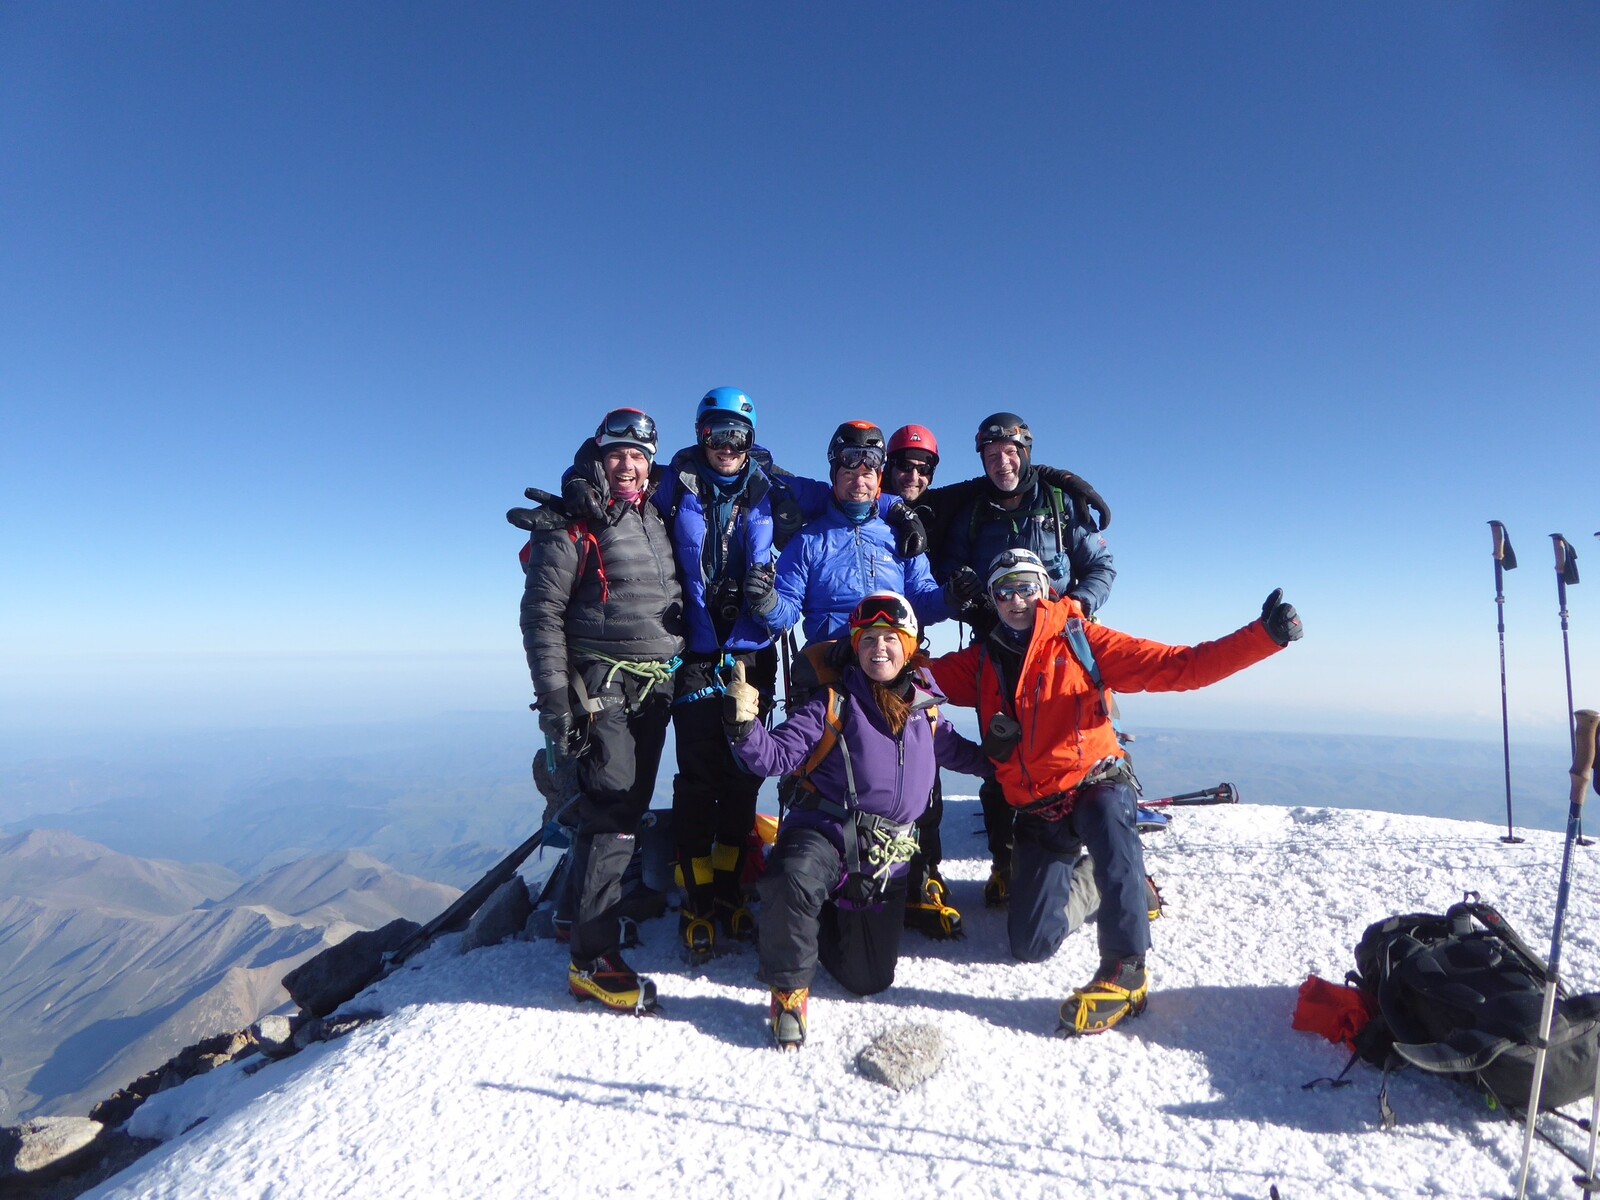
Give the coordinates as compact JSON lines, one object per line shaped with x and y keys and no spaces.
{"x":915,"y":437}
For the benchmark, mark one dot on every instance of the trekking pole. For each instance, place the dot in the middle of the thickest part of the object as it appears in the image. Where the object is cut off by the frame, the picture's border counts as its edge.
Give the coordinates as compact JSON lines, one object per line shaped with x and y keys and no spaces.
{"x":1223,"y":793}
{"x":1505,"y":559}
{"x":1567,"y":572}
{"x":1582,"y":772}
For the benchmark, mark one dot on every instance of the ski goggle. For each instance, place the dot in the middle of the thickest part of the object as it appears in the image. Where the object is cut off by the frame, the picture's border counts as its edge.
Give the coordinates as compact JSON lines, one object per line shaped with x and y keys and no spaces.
{"x":1023,"y":589}
{"x":852,"y":457}
{"x":727,"y":435}
{"x":629,"y":424}
{"x":1020,"y":434}
{"x":883,"y":610}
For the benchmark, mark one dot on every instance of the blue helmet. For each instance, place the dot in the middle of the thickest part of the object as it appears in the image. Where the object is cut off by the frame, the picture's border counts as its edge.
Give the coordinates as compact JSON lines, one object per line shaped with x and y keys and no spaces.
{"x":726,"y":402}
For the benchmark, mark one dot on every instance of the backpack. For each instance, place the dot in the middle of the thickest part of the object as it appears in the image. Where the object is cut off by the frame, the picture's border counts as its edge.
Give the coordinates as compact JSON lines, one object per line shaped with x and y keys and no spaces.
{"x":1461,"y":995}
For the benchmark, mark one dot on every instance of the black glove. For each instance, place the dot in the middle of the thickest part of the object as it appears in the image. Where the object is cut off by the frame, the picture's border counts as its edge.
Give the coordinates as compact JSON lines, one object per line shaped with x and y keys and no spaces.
{"x":962,"y":590}
{"x":1079,"y":490}
{"x":582,"y":499}
{"x":558,"y":725}
{"x":1281,"y":621}
{"x":910,"y":536}
{"x":759,"y":596}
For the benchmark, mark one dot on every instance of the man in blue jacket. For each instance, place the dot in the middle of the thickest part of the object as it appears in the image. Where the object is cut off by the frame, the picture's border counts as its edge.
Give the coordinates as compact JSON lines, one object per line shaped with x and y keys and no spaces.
{"x":850,"y":551}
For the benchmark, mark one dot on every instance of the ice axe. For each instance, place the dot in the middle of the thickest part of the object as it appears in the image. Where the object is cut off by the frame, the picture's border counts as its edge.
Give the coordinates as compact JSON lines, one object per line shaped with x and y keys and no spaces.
{"x":1223,"y":793}
{"x":1582,"y":773}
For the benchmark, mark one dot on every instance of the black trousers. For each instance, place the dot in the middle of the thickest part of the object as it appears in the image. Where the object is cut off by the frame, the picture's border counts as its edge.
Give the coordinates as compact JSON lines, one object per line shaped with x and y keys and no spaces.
{"x":930,"y":847}
{"x":999,"y":822}
{"x":713,"y":797}
{"x":617,"y":775}
{"x":801,"y":925}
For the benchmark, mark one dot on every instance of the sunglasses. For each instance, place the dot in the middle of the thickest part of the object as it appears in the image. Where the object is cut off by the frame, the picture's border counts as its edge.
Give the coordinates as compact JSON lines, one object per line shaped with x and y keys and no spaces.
{"x":1016,"y":591}
{"x":726,"y":437}
{"x":913,"y":466}
{"x":858,"y":456}
{"x":629,"y":423}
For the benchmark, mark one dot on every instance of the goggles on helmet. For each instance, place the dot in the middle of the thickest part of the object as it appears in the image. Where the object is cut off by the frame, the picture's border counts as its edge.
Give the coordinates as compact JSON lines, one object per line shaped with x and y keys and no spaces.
{"x":884,"y":609}
{"x":852,"y":457}
{"x":629,"y":424}
{"x":1020,"y":434}
{"x":725,"y":433}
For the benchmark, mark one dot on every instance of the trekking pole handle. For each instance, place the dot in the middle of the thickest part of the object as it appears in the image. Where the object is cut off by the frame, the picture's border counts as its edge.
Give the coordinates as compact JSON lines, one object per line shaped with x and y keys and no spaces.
{"x":1583,"y":755}
{"x":1502,"y":544}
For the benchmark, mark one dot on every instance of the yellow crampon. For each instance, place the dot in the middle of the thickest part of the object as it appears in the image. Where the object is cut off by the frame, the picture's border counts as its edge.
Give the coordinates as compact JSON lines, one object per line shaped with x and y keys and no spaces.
{"x":1100,"y":1004}
{"x":932,"y":915}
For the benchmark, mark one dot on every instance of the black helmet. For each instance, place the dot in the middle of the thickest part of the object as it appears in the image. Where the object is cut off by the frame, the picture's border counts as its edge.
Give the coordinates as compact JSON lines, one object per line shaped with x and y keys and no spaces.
{"x":1005,"y":427}
{"x":857,"y":442}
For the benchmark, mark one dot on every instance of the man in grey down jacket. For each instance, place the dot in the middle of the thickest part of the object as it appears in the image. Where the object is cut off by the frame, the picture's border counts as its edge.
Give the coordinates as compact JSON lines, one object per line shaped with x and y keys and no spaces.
{"x":602,"y":624}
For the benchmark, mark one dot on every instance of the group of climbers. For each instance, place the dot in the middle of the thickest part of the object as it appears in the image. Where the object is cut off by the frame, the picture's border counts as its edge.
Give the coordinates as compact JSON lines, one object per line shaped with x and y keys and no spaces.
{"x":657,"y":592}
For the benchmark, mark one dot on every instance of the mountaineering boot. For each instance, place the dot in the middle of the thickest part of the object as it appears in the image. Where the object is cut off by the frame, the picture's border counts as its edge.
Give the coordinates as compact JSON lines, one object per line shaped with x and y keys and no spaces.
{"x":1120,"y":988}
{"x":734,"y":919}
{"x":1153,"y":900}
{"x":928,"y":912}
{"x":695,"y":926}
{"x":788,"y":1013}
{"x":612,"y":982}
{"x":997,"y":892}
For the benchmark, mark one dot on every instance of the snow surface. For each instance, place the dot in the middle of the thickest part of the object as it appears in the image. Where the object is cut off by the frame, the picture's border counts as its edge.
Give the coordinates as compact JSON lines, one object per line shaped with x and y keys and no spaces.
{"x":486,"y":1080}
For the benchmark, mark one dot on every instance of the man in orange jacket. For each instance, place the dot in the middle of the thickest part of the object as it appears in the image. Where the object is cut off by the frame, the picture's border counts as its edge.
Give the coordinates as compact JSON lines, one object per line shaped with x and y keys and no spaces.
{"x":1039,"y":684}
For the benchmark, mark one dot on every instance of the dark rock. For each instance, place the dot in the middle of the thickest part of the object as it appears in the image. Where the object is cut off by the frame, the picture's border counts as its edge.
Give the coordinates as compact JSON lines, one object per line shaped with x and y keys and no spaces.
{"x":502,"y":915}
{"x":321,"y":984}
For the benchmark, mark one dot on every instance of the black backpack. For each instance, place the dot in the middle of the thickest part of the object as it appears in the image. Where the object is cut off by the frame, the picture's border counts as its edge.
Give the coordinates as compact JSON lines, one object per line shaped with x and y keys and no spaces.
{"x":1461,"y":995}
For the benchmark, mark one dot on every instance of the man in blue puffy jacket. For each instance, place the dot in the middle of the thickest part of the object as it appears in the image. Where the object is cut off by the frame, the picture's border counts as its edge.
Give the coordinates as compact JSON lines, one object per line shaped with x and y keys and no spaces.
{"x":850,"y":551}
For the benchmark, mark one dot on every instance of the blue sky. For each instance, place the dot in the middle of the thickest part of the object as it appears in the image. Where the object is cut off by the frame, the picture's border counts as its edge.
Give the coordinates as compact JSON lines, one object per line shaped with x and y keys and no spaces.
{"x":296,"y":298}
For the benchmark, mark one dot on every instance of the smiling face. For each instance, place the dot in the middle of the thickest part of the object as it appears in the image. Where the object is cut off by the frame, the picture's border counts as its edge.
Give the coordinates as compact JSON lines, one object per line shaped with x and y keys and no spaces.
{"x":1002,"y":463}
{"x":627,"y":470}
{"x":725,"y":460}
{"x":1016,"y":600}
{"x":908,"y":478}
{"x":855,"y":484}
{"x":880,"y":653}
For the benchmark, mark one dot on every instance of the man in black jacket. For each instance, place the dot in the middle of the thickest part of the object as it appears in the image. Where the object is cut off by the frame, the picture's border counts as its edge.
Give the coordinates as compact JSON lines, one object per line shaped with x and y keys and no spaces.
{"x":602,"y":624}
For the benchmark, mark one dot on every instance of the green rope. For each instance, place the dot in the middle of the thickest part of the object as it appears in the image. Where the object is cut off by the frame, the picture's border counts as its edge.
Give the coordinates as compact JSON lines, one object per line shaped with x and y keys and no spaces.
{"x":652,"y":672}
{"x":885,"y":850}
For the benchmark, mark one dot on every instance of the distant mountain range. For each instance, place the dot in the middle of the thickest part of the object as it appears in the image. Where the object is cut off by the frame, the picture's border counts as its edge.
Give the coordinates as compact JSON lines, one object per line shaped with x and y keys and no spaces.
{"x":110,"y":964}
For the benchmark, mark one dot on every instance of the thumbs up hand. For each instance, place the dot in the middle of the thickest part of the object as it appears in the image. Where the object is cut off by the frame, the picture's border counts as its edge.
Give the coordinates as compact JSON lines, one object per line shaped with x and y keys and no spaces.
{"x":741,"y":703}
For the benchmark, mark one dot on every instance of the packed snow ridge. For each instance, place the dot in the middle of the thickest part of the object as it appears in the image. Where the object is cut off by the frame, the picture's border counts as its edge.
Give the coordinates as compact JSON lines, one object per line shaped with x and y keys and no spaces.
{"x":485,"y":1079}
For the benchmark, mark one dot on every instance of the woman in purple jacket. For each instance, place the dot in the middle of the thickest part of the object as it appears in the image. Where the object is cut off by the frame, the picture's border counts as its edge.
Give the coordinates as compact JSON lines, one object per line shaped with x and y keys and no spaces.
{"x":835,"y":890}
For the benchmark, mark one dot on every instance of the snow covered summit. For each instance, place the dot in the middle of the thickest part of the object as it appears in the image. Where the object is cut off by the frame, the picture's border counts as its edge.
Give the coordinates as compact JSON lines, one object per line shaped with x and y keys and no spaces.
{"x":486,"y":1079}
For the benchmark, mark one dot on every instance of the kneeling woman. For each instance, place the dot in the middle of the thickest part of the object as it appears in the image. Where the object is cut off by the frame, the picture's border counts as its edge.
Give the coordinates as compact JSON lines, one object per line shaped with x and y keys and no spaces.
{"x":871,"y":747}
